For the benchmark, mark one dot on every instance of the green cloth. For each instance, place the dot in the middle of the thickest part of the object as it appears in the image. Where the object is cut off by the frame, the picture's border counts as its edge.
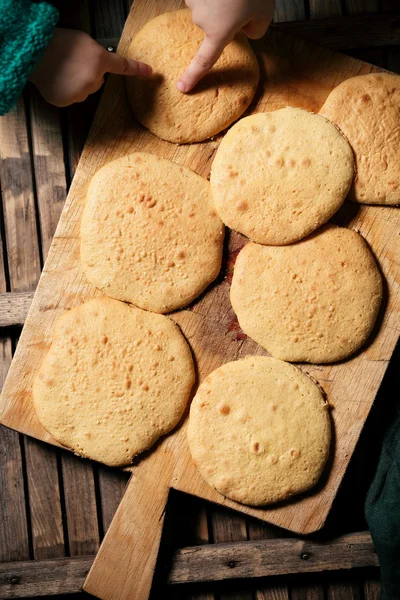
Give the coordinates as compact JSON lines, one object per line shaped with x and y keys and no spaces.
{"x":382,"y":511}
{"x":26,"y":29}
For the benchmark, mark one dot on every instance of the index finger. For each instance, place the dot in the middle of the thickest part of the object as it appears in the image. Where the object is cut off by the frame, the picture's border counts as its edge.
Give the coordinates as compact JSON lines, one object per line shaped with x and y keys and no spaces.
{"x":120,"y":65}
{"x":207,"y":55}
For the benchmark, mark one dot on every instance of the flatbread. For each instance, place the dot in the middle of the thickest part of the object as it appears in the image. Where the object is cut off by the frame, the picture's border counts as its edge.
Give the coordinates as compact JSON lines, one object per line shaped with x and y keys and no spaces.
{"x":315,"y":301}
{"x":367,"y":110}
{"x":168,"y":43}
{"x":278,"y":176}
{"x":259,"y":430}
{"x":114,"y":380}
{"x":150,"y":234}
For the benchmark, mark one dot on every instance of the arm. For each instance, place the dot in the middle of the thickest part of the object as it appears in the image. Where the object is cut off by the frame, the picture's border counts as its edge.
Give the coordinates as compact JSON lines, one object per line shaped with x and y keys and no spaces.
{"x":65,"y":65}
{"x":25,"y":31}
{"x":221,"y":20}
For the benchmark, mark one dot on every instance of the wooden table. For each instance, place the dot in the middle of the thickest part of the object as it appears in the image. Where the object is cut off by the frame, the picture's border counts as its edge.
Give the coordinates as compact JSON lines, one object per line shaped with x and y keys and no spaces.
{"x":54,"y":505}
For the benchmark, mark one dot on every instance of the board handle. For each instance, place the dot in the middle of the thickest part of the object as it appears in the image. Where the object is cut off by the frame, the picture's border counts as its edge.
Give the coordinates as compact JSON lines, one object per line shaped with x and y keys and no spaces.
{"x":124,"y":566}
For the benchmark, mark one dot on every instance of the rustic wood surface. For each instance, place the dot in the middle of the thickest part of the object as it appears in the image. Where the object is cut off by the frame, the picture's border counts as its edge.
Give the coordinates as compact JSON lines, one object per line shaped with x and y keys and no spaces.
{"x":211,"y":562}
{"x":17,"y":500}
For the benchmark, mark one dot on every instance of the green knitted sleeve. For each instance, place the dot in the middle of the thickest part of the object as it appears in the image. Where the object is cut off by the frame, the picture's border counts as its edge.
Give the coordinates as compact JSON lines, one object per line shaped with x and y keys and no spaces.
{"x":26,"y":29}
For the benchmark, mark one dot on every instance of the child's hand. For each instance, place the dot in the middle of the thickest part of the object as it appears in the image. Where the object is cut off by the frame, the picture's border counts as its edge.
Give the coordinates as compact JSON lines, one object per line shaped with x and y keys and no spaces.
{"x":221,"y":20}
{"x":73,"y":66}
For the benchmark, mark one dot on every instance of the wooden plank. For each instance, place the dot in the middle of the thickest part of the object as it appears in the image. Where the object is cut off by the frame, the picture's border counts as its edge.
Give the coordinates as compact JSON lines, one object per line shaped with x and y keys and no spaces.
{"x":217,"y":562}
{"x":76,"y":14}
{"x":109,"y":18}
{"x":112,"y":486}
{"x":327,"y":8}
{"x":17,"y":202}
{"x":43,"y":578}
{"x":44,"y":500}
{"x":343,"y":590}
{"x":24,"y":261}
{"x":339,"y":33}
{"x":14,"y":307}
{"x":308,"y":592}
{"x":289,"y":10}
{"x":187,"y":518}
{"x":230,"y":527}
{"x":23,"y":264}
{"x":362,"y":6}
{"x":134,"y":537}
{"x":49,"y":167}
{"x":261,"y":531}
{"x":80,"y":505}
{"x":14,"y":542}
{"x":372,"y":589}
{"x":213,"y":562}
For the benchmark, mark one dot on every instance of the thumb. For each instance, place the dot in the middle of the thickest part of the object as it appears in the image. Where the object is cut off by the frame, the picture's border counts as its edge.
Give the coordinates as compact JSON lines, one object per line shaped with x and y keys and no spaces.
{"x":120,"y":65}
{"x":207,"y":55}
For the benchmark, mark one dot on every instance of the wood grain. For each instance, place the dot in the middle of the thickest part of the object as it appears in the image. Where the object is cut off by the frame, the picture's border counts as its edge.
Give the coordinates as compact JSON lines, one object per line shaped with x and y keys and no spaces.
{"x":112,"y":485}
{"x":43,"y":577}
{"x":18,"y":201}
{"x":126,"y":570}
{"x":289,"y":10}
{"x":80,"y":505}
{"x":23,"y":265}
{"x":217,"y":562}
{"x":343,"y":591}
{"x":362,"y":6}
{"x":14,"y":541}
{"x":266,"y":558}
{"x":49,"y":168}
{"x":44,"y":500}
{"x":230,"y":527}
{"x":308,"y":592}
{"x":261,"y":531}
{"x":39,"y":462}
{"x":325,"y":9}
{"x":372,"y":589}
{"x":14,"y":307}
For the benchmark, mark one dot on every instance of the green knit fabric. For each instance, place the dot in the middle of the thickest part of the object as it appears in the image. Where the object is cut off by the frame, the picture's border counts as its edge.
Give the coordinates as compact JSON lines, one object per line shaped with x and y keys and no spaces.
{"x":382,"y":510}
{"x":26,"y":29}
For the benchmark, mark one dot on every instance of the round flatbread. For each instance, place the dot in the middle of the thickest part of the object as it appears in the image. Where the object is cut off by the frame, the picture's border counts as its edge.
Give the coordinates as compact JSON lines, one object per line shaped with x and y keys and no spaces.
{"x":259,"y":430}
{"x":315,"y":301}
{"x":168,"y":43}
{"x":367,"y":110}
{"x":150,"y":234}
{"x":278,"y":176}
{"x":114,"y":380}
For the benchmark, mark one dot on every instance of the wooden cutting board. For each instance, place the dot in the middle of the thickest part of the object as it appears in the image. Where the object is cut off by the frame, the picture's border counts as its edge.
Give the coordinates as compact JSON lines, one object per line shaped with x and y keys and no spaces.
{"x":293,"y":73}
